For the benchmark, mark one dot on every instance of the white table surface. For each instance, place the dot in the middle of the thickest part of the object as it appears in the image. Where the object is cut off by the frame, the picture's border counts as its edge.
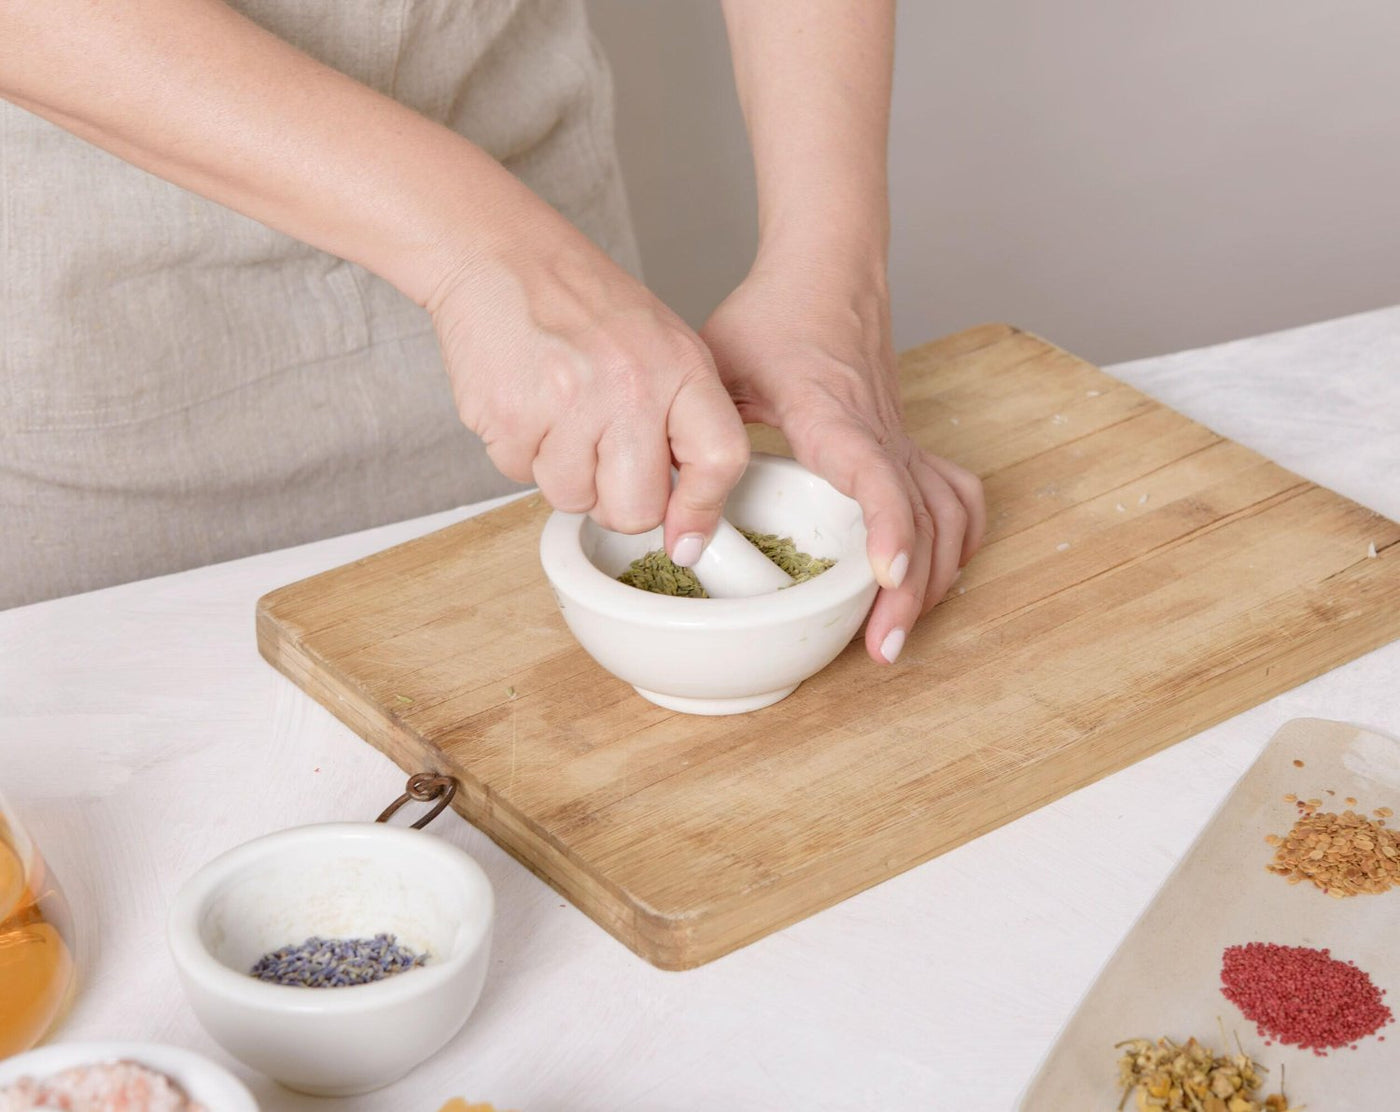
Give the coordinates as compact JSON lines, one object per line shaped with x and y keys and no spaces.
{"x":141,"y":734}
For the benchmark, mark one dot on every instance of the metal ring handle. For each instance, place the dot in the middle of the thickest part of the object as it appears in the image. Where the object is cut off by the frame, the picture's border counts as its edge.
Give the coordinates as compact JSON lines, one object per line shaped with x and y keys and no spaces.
{"x":423,"y":787}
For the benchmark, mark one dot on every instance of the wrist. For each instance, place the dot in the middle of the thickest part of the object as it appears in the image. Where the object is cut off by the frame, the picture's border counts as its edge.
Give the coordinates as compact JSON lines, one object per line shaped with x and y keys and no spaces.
{"x":832,"y":268}
{"x":519,"y":255}
{"x":843,"y":249}
{"x":443,"y":238}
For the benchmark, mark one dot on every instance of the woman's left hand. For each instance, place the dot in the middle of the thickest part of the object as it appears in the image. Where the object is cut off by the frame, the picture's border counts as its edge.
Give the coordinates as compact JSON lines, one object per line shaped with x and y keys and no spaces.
{"x":807,"y":349}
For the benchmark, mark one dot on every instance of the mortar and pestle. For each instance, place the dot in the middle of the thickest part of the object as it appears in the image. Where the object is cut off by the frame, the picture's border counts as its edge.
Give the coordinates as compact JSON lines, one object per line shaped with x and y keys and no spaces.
{"x":758,"y":636}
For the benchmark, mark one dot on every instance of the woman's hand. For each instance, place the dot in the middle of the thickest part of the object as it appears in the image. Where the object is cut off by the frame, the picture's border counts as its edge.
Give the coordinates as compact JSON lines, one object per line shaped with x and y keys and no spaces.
{"x":575,"y":375}
{"x":804,"y":343}
{"x":578,"y":379}
{"x":805,"y":347}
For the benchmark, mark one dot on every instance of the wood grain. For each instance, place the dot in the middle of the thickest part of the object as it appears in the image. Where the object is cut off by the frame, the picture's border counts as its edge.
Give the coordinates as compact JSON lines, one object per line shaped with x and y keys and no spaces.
{"x":1142,"y":579}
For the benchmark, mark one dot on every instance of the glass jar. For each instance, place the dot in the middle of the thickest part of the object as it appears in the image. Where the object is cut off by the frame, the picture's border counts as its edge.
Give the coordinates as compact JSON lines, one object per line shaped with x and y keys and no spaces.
{"x":36,"y":941}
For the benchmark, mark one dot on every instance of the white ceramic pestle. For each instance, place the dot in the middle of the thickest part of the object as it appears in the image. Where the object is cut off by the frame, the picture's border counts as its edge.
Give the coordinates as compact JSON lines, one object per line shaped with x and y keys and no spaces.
{"x":732,"y":567}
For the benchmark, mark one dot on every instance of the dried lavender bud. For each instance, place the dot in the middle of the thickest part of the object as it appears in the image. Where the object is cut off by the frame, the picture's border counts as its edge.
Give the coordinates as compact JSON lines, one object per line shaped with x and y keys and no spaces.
{"x":336,"y":962}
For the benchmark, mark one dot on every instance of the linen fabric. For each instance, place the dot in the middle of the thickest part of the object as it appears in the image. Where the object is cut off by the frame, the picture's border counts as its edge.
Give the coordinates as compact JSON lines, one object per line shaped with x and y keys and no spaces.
{"x":181,"y":385}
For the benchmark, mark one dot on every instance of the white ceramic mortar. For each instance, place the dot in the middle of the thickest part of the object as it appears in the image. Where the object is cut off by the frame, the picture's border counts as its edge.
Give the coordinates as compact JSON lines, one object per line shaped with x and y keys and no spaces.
{"x":336,"y":880}
{"x":718,"y":655}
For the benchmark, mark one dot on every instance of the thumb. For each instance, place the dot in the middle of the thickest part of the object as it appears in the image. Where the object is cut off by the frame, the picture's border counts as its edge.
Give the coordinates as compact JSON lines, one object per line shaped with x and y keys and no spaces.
{"x":710,"y":450}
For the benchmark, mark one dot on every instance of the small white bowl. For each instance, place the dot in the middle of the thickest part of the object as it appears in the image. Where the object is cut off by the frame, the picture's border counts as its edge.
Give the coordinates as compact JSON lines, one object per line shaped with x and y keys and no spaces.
{"x":337,"y":880}
{"x":202,"y":1080}
{"x":718,"y":655}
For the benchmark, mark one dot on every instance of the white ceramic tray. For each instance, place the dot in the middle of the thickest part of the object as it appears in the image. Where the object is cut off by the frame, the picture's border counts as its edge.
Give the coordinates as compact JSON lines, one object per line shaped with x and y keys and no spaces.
{"x":1165,"y":977}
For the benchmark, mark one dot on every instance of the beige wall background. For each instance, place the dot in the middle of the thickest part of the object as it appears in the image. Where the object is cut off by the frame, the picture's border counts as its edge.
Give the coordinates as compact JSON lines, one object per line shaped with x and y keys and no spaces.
{"x":1125,"y":179}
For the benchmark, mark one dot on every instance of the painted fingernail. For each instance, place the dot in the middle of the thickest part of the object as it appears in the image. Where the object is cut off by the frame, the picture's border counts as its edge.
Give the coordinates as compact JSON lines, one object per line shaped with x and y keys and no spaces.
{"x":891,"y":646}
{"x":688,"y":550}
{"x":899,"y":568}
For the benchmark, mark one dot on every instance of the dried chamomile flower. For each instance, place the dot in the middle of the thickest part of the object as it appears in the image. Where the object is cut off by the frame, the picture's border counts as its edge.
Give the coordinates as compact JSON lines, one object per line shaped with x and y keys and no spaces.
{"x":1190,"y":1077}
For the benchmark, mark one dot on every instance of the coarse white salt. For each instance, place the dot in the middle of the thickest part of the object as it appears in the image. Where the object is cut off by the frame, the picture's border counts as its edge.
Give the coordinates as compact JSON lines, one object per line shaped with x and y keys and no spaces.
{"x":1093,"y":393}
{"x":1371,"y":553}
{"x":954,"y":421}
{"x":1063,"y":546}
{"x":1143,"y":500}
{"x":1122,"y":509}
{"x":1059,"y":419}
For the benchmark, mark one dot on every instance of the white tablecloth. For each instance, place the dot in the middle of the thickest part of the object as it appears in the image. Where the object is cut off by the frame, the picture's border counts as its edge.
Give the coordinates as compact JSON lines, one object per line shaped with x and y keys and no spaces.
{"x":141,"y":734}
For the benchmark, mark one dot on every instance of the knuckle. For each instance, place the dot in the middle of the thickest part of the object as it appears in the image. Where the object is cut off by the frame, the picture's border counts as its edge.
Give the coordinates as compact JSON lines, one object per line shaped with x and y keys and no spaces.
{"x":559,"y":374}
{"x":918,"y":598}
{"x":639,"y":523}
{"x":509,"y":463}
{"x":974,"y":496}
{"x":876,"y":461}
{"x":685,"y":349}
{"x":823,"y":430}
{"x":954,"y":516}
{"x":727,"y":455}
{"x":633,"y":511}
{"x":630,"y":387}
{"x":628,"y":521}
{"x":924,"y":525}
{"x":570,"y":501}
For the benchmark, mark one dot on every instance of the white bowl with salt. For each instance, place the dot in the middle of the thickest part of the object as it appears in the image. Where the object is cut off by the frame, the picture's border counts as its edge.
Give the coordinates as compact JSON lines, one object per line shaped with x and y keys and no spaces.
{"x":191,"y":1076}
{"x":719,"y":655}
{"x":334,"y":881}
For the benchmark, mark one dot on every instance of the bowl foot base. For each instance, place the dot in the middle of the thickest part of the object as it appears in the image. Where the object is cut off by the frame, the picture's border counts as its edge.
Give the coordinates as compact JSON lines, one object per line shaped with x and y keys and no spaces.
{"x":687,"y":705}
{"x":313,"y":1090}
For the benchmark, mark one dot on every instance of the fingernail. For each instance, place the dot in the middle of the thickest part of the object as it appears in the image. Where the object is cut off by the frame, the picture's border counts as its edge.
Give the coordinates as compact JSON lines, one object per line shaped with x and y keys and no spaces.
{"x":899,"y":568}
{"x":688,"y":550}
{"x":891,"y":646}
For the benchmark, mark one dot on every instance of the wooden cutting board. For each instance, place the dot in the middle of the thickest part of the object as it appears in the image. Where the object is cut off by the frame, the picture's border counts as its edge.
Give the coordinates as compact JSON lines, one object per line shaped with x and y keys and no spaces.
{"x":1142,"y":579}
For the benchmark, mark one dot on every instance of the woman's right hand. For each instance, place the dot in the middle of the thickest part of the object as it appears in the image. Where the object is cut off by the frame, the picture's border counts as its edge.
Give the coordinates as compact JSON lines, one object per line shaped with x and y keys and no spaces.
{"x":578,"y":379}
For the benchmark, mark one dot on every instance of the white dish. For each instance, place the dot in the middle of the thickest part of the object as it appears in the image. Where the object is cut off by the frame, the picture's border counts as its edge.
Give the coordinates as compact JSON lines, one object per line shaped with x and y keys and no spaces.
{"x":202,"y":1080}
{"x":718,"y":655}
{"x":1165,"y":977}
{"x":338,"y":880}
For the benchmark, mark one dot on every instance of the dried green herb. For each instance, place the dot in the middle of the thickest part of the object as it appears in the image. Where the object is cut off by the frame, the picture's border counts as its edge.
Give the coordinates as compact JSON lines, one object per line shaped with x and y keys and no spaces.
{"x":783,"y":552}
{"x":656,"y":573}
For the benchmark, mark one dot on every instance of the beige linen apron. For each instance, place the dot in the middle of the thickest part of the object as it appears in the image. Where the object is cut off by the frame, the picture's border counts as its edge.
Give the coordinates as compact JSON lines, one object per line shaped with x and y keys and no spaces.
{"x":180,"y":385}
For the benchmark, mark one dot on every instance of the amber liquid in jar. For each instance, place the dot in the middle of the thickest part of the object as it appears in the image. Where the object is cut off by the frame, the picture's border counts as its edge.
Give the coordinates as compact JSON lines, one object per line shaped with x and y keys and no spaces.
{"x":36,"y":963}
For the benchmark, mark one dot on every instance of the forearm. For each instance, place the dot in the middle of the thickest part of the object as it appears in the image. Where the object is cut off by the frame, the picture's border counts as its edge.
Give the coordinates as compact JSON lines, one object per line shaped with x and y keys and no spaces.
{"x":197,"y":94}
{"x":805,"y":343}
{"x":814,"y":82}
